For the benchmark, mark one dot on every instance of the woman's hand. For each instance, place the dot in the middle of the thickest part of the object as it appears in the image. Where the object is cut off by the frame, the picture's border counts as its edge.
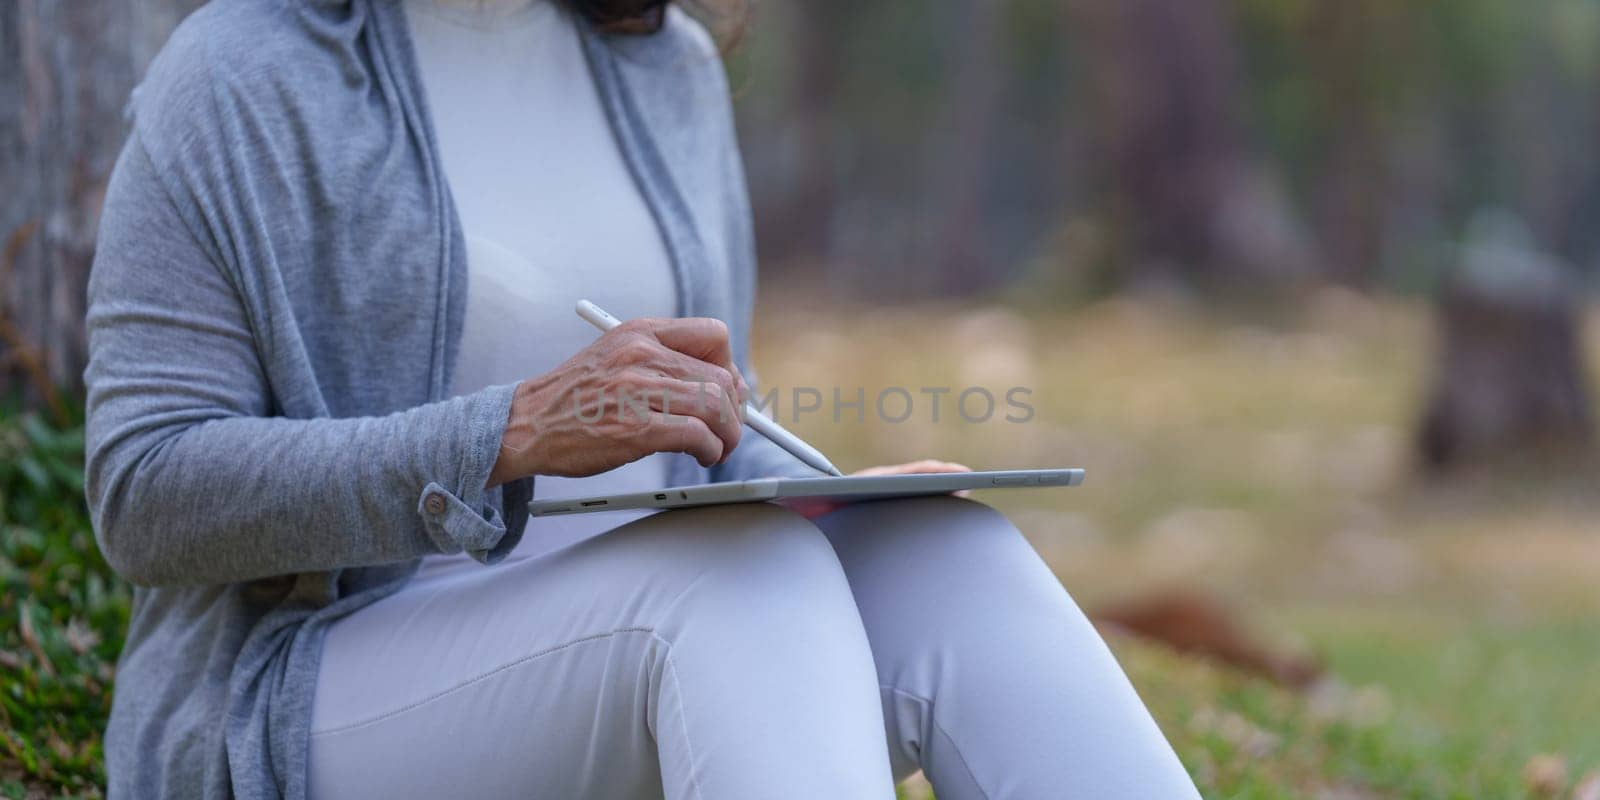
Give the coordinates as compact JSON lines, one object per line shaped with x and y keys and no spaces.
{"x":812,"y":508}
{"x":646,"y":386}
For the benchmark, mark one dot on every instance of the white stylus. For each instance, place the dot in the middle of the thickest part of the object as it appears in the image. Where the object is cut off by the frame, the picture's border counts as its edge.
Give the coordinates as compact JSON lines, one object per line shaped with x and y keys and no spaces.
{"x":753,"y":417}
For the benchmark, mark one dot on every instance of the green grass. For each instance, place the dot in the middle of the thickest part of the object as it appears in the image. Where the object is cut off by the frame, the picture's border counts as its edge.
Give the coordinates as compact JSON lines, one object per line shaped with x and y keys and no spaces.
{"x":62,"y":616}
{"x":1264,"y":463}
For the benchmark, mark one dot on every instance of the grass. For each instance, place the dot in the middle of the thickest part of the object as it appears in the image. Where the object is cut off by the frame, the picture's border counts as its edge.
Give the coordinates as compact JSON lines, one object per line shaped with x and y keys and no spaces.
{"x":62,"y":614}
{"x":1266,"y":463}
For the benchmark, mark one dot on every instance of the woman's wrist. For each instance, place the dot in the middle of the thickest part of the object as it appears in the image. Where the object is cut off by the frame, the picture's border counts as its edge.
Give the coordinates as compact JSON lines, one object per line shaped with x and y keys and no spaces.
{"x":518,"y":444}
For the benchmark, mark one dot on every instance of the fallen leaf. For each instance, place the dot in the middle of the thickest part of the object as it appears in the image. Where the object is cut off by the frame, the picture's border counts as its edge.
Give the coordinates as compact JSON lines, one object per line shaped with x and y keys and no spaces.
{"x":80,"y":637}
{"x":31,"y":639}
{"x":1545,"y":775}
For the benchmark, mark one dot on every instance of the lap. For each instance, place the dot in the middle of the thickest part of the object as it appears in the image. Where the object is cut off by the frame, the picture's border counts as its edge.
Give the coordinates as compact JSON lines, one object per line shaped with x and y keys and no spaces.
{"x":538,"y":673}
{"x":543,"y":676}
{"x":904,"y":559}
{"x":450,"y":624}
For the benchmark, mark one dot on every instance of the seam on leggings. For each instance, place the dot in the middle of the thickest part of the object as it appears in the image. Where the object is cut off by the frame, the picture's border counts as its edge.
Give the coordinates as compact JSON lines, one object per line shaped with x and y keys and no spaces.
{"x":683,"y":717}
{"x":491,"y":673}
{"x":946,"y":734}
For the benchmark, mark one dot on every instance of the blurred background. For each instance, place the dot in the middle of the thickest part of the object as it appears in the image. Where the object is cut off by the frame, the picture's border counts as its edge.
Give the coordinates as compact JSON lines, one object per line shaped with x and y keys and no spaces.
{"x":1308,"y":286}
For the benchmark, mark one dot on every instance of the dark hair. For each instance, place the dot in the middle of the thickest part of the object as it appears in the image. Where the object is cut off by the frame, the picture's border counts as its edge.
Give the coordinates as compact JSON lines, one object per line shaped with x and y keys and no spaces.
{"x":622,"y":16}
{"x":726,"y":18}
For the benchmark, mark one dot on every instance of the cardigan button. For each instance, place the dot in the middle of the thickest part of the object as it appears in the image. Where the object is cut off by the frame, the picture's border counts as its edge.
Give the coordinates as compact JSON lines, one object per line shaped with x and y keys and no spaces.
{"x":435,"y":504}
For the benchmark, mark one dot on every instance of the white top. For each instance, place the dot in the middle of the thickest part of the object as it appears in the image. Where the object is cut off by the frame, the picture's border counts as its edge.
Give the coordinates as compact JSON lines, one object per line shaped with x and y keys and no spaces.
{"x":549,"y":209}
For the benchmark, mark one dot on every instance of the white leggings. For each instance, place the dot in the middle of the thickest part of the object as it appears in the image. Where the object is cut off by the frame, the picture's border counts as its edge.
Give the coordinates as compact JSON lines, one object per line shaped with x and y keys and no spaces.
{"x":740,"y":652}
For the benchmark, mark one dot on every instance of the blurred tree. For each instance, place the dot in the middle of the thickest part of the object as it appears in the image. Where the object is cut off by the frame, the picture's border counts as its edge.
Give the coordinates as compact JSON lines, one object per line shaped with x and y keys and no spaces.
{"x":1344,"y":41}
{"x":65,"y":73}
{"x":806,"y":201}
{"x":1195,"y":203}
{"x":959,"y":153}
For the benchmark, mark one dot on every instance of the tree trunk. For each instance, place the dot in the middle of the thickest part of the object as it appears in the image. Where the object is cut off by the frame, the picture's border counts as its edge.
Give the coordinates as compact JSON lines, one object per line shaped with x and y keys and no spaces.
{"x":797,"y":230}
{"x":959,"y":155}
{"x":1196,"y":204}
{"x":1342,"y":38}
{"x":1509,"y":385}
{"x":65,"y":73}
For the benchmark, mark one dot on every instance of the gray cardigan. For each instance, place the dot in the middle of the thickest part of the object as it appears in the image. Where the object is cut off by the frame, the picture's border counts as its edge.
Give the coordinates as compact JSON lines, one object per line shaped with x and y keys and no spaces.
{"x":273,"y":314}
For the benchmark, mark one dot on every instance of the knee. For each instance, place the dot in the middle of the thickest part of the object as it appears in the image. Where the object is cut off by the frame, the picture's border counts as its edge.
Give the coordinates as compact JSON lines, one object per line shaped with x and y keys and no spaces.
{"x":930,"y":531}
{"x":939,"y":515}
{"x":757,"y":565}
{"x":942,"y":552}
{"x":760,"y":541}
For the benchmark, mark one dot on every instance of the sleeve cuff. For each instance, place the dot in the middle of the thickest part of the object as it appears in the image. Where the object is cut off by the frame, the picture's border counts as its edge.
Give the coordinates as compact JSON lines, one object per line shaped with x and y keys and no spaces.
{"x":456,"y":526}
{"x":466,"y":517}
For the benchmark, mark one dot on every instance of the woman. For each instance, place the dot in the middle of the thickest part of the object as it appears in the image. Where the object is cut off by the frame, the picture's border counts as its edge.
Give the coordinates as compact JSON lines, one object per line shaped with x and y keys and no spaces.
{"x":331,"y":348}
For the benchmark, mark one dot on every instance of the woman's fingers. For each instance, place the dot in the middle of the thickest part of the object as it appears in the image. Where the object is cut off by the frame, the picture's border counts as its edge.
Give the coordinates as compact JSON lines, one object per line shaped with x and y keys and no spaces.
{"x":703,"y":400}
{"x":720,"y":381}
{"x":690,"y":374}
{"x":650,"y":396}
{"x":811,"y":507}
{"x":923,"y":467}
{"x":684,"y":435}
{"x":646,"y":386}
{"x":702,"y":339}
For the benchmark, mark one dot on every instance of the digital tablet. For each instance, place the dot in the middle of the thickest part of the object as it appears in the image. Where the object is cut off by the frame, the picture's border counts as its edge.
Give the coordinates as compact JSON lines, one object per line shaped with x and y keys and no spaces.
{"x":847,"y":489}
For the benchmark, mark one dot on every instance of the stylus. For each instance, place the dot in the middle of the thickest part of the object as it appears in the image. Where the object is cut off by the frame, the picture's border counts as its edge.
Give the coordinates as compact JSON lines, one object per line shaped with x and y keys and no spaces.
{"x":753,"y":417}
